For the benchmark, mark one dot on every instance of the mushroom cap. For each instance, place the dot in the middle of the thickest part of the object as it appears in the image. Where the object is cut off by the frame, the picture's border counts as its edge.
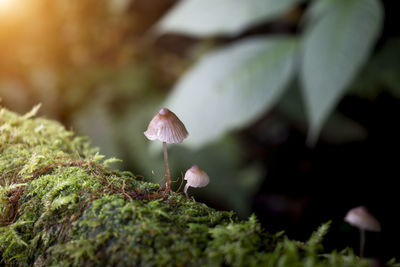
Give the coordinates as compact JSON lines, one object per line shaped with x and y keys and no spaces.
{"x":361,"y":218}
{"x":196,"y":177}
{"x":166,"y":127}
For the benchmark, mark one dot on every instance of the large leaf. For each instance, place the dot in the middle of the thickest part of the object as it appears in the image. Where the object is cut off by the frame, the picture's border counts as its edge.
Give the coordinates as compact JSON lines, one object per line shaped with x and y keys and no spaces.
{"x":232,"y":87}
{"x":213,"y":17}
{"x":338,"y":40}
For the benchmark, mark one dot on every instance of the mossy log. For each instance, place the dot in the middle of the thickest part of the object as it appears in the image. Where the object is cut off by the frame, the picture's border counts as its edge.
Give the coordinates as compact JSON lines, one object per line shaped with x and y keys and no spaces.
{"x":61,"y":205}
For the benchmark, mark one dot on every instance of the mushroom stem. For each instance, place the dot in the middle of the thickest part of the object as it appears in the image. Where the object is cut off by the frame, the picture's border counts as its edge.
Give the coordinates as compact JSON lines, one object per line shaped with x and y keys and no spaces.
{"x":185,"y":190}
{"x":362,"y":242}
{"x":168,"y":174}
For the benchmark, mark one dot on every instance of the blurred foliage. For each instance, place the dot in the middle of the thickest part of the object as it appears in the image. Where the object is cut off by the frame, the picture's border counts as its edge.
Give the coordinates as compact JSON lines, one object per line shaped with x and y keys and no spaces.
{"x":337,"y":38}
{"x":104,"y":67}
{"x":227,"y":17}
{"x":230,"y":88}
{"x":76,"y":51}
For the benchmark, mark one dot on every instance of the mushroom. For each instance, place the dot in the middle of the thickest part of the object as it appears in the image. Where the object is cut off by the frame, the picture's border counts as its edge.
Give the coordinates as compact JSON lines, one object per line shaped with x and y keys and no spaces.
{"x":166,"y":127}
{"x":361,"y":218}
{"x":195,"y":178}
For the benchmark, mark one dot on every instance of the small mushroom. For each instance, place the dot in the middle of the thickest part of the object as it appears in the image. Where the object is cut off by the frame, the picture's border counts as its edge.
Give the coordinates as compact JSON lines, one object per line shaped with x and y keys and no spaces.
{"x":361,"y":218}
{"x":195,"y":178}
{"x":166,"y":127}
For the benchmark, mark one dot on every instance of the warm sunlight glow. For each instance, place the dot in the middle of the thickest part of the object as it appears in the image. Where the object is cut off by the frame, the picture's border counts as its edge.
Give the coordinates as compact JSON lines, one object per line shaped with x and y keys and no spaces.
{"x":7,"y":6}
{"x":12,"y":9}
{"x":5,"y":3}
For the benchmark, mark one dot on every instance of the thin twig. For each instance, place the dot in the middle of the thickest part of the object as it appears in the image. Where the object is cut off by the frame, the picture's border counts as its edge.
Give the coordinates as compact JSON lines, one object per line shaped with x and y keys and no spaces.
{"x":179,"y":188}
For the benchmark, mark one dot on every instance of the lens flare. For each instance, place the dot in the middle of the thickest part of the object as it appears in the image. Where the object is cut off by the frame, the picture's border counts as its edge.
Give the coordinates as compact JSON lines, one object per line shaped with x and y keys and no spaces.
{"x":5,"y":3}
{"x":6,"y":6}
{"x":12,"y":9}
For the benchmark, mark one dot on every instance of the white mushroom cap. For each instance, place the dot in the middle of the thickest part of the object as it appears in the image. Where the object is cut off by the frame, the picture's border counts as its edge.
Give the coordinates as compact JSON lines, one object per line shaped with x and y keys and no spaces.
{"x":361,"y":218}
{"x":166,"y":127}
{"x":196,"y":177}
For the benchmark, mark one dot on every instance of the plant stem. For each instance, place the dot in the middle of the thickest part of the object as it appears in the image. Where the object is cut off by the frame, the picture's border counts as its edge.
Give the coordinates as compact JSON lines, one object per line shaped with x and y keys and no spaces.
{"x":168,"y":174}
{"x":362,"y":242}
{"x":185,"y":190}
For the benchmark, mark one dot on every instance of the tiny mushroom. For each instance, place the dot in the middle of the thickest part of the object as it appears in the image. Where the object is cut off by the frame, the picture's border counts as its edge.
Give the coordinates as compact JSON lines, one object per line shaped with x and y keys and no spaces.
{"x":361,"y":218}
{"x":166,"y":127}
{"x":195,"y":178}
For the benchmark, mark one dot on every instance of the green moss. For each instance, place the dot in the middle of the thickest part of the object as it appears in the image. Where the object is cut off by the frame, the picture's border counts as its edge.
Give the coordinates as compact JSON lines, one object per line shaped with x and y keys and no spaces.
{"x":62,"y":207}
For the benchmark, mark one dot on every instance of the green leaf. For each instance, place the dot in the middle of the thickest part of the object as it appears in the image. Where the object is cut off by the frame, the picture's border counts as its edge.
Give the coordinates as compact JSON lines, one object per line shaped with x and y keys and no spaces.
{"x":231,"y":87}
{"x":213,"y":17}
{"x":98,"y":157}
{"x":315,"y":241}
{"x":108,"y":162}
{"x":339,"y":38}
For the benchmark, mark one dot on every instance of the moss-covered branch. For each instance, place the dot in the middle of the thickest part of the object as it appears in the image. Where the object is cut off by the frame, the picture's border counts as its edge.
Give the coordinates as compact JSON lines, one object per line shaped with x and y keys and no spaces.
{"x":61,"y":206}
